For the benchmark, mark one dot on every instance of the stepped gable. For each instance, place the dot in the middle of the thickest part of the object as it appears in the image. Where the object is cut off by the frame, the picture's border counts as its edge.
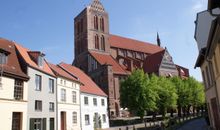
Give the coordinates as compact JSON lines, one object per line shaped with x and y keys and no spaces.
{"x":89,"y":86}
{"x":97,"y":5}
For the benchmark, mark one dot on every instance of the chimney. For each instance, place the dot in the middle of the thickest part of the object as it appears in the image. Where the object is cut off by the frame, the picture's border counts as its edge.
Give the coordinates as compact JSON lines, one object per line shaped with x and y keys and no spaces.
{"x":212,"y":4}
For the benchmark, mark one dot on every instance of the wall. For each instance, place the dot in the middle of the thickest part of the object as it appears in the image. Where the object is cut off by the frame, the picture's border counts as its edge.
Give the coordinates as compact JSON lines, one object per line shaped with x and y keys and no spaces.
{"x":9,"y":105}
{"x":42,"y":95}
{"x":69,"y":107}
{"x":91,"y":109}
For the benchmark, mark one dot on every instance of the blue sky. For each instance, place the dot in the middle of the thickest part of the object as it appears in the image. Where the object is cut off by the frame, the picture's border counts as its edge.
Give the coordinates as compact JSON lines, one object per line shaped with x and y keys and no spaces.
{"x":47,"y":25}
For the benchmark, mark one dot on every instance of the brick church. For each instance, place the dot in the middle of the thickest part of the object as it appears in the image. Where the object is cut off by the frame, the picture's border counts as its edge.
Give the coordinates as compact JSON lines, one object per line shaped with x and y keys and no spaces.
{"x":107,"y":58}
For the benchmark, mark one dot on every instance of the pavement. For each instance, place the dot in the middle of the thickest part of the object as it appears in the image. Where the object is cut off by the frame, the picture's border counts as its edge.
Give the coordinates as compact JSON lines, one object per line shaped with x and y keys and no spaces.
{"x":197,"y":124}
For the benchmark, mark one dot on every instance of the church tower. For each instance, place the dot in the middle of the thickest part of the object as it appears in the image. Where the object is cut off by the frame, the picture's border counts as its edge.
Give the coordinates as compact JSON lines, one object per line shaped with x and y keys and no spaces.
{"x":91,"y":33}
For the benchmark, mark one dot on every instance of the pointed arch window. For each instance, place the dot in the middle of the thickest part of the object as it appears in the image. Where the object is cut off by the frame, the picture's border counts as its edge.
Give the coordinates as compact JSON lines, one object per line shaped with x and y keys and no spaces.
{"x":103,"y":43}
{"x":102,"y":24}
{"x":96,"y":24}
{"x":96,"y":42}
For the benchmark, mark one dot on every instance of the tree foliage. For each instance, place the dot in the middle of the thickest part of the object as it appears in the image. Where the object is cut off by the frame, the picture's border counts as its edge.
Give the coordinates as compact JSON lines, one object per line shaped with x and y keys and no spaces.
{"x":136,"y":94}
{"x":142,"y":93}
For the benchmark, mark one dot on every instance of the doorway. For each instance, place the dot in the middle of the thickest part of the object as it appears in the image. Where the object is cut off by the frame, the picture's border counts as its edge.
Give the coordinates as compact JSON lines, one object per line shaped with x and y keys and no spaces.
{"x":63,"y":120}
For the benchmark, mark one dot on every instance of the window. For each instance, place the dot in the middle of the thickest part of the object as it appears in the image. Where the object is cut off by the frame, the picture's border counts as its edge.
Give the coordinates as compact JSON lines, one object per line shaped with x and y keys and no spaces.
{"x":208,"y":76}
{"x":96,"y":42}
{"x":61,"y":81}
{"x":216,"y":65}
{"x":3,"y":58}
{"x":64,"y":82}
{"x":38,"y":82}
{"x":103,"y":102}
{"x":38,"y":105}
{"x":94,"y":101}
{"x":74,"y":117}
{"x":86,"y":101}
{"x":96,"y":26}
{"x":51,"y":85}
{"x":16,"y":120}
{"x":38,"y":124}
{"x":74,"y":96}
{"x":103,"y":43}
{"x":87,"y":122}
{"x":204,"y":79}
{"x":40,"y":61}
{"x":63,"y":95}
{"x":51,"y":107}
{"x":102,"y":24}
{"x":103,"y":118}
{"x":18,"y":90}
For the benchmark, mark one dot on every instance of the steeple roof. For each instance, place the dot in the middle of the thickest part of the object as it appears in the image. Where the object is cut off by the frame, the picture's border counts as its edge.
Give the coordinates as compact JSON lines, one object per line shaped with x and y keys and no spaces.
{"x":97,"y":5}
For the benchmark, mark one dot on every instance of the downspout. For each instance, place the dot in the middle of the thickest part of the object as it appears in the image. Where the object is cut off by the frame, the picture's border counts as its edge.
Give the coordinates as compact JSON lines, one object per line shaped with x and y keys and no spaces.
{"x":56,"y":105}
{"x":80,"y":109}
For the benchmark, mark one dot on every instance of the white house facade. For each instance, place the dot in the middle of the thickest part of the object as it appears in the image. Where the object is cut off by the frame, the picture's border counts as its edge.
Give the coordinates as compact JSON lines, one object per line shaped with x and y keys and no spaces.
{"x":41,"y":101}
{"x":68,"y":93}
{"x":94,"y":111}
{"x":93,"y":101}
{"x":42,"y":98}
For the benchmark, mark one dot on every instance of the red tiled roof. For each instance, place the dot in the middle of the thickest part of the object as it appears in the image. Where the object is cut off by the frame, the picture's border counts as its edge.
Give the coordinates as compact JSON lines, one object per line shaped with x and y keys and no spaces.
{"x":60,"y":72}
{"x":152,"y":62}
{"x":109,"y":60}
{"x":24,"y":53}
{"x":13,"y":66}
{"x":182,"y":71}
{"x":88,"y":86}
{"x":134,"y":45}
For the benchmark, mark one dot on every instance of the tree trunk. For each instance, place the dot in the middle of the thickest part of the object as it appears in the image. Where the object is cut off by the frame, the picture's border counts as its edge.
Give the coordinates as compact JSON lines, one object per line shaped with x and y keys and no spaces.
{"x":179,"y":111}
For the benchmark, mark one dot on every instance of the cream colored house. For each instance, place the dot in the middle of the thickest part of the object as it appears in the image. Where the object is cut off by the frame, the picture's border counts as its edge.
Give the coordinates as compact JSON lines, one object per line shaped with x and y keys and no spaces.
{"x":68,"y":93}
{"x":207,"y":35}
{"x":13,"y":89}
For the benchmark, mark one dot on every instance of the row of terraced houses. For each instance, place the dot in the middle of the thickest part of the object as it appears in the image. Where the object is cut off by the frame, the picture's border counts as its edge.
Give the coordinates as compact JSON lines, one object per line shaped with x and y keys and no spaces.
{"x":37,"y":95}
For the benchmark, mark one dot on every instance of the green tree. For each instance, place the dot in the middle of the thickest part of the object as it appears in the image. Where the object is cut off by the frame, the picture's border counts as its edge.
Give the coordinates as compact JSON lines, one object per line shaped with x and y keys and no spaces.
{"x":197,"y":97}
{"x":183,"y":92}
{"x":167,"y":95}
{"x":137,"y":94}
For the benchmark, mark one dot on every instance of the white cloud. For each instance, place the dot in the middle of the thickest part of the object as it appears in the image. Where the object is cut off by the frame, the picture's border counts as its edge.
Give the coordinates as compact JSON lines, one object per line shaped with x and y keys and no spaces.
{"x":199,"y":5}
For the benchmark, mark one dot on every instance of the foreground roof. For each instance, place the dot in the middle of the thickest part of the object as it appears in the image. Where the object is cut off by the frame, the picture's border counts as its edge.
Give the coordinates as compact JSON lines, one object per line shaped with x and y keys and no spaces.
{"x":108,"y":60}
{"x":134,"y":45}
{"x":26,"y":57}
{"x":13,"y":67}
{"x":88,"y":86}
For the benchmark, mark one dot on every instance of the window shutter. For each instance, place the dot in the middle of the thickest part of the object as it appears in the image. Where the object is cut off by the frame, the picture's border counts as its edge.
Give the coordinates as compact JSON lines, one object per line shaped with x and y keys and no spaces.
{"x":51,"y":123}
{"x":31,"y":124}
{"x":44,"y":123}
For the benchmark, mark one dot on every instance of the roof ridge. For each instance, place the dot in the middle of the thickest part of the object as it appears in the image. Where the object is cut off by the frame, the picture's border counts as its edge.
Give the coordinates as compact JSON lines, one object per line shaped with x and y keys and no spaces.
{"x":134,"y":40}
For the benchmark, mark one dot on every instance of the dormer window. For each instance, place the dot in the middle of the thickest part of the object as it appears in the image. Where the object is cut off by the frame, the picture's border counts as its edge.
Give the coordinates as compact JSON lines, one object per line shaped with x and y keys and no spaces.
{"x":40,"y":61}
{"x":3,"y":58}
{"x":37,"y":57}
